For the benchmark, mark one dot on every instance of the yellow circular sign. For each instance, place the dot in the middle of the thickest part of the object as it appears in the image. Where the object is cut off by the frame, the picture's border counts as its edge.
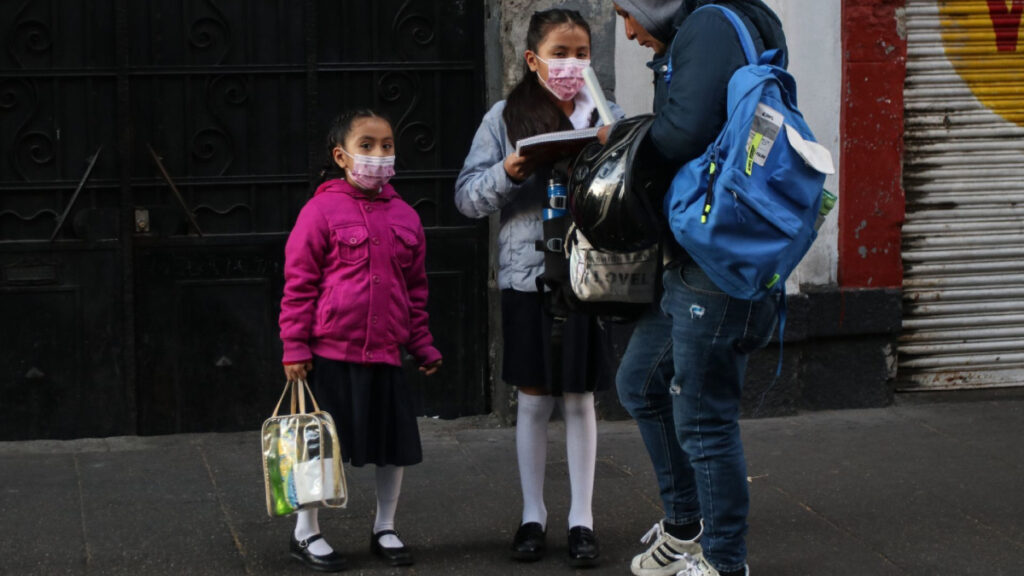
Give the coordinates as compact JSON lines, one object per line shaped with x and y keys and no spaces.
{"x":984,"y":40}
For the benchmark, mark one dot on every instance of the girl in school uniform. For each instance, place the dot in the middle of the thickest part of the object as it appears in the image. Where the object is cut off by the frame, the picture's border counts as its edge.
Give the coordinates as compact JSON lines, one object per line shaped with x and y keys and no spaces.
{"x":355,"y":293}
{"x":550,"y":97}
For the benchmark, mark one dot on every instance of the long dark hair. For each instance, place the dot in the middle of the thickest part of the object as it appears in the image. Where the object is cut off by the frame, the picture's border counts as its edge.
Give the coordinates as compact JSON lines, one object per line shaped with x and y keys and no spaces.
{"x":336,"y":134}
{"x":529,"y":109}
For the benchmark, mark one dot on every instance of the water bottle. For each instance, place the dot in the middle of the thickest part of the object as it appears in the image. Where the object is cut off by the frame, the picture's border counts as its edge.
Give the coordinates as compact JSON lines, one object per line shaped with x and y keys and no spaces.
{"x":278,"y":489}
{"x":557,"y":198}
{"x":554,"y":220}
{"x":828,"y":201}
{"x":279,"y":469}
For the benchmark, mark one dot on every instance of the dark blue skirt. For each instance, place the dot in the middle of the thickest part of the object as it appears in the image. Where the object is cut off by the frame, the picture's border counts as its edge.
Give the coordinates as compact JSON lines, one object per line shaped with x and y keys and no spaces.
{"x":588,"y":362}
{"x":373,"y":410}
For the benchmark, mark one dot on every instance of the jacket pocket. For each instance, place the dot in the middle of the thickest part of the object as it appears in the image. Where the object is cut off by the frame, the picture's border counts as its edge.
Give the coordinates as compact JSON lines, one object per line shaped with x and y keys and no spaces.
{"x":324,"y":312}
{"x":352,"y":245}
{"x":760,"y":203}
{"x":405,"y":245}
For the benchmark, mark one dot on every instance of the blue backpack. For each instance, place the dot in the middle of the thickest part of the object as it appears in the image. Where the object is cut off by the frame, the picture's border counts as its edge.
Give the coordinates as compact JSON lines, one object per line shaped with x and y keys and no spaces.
{"x":745,"y":210}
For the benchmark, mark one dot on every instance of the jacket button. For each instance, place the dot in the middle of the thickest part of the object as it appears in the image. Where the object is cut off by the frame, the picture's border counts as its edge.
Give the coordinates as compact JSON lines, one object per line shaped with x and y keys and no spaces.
{"x":376,"y":241}
{"x":353,"y":240}
{"x":664,"y":67}
{"x":369,"y":354}
{"x":373,"y":320}
{"x":369,"y":208}
{"x":376,"y":279}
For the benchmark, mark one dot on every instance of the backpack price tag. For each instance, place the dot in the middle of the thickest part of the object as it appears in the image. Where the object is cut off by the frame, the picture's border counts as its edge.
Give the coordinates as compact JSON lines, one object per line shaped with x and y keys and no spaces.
{"x":763,"y":132}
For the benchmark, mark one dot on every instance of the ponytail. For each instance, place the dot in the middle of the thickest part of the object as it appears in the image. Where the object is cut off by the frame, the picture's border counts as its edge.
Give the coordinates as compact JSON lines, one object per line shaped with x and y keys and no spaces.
{"x":529,"y":110}
{"x":329,"y":171}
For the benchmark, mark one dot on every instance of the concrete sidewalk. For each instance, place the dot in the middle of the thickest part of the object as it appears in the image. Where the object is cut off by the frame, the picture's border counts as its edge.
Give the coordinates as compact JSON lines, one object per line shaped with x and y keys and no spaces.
{"x":922,"y":488}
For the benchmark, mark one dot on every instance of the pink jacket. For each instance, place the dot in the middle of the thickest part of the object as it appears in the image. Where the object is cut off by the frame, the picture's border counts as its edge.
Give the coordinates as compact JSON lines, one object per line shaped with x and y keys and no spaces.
{"x":355,"y":281}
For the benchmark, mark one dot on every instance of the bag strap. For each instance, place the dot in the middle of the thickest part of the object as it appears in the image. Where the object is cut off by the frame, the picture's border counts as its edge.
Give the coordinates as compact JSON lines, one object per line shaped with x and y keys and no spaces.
{"x":772,"y":56}
{"x":299,"y":389}
{"x":312,"y":399}
{"x":741,"y":30}
{"x":782,"y":327}
{"x":287,"y":386}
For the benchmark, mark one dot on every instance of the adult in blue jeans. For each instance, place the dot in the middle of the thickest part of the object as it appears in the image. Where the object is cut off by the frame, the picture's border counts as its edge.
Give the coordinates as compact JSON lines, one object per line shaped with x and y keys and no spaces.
{"x":682,"y":374}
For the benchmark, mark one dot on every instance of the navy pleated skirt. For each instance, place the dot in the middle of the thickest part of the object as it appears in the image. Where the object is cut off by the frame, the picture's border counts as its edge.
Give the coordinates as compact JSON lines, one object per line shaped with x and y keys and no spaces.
{"x":586,"y":365}
{"x":373,"y":410}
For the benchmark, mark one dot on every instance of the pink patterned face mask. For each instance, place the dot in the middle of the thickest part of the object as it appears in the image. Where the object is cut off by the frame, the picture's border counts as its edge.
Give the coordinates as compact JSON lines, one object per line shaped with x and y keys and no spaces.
{"x":371,"y":172}
{"x":565,"y":76}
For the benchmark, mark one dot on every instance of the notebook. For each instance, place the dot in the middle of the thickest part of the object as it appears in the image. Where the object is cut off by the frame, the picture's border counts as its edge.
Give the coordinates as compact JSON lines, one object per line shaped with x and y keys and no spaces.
{"x":555,"y":145}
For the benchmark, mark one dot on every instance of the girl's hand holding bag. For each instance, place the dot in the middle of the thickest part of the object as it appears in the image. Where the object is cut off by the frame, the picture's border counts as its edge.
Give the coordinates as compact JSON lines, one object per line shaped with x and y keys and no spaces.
{"x":301,"y":457}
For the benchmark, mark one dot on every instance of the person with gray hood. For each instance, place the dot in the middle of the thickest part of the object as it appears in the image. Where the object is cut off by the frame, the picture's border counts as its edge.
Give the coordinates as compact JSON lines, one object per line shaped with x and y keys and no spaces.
{"x":681,"y":377}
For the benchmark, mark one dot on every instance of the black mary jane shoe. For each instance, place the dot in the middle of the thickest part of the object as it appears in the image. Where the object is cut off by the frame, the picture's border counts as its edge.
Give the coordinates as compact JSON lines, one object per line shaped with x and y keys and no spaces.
{"x":528,"y":544}
{"x":332,"y":562}
{"x":583,"y":548}
{"x":393,"y":556}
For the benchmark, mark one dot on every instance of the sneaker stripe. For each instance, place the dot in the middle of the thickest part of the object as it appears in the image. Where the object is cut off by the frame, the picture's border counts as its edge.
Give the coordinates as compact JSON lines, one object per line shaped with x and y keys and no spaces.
{"x":663,"y":558}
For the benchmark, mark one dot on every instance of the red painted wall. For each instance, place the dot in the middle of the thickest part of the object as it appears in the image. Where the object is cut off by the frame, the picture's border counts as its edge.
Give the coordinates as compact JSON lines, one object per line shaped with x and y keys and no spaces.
{"x":871,"y":208}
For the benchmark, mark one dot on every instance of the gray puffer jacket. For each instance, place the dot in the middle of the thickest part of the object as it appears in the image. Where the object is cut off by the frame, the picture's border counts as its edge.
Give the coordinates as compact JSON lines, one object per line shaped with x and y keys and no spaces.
{"x":483,"y":188}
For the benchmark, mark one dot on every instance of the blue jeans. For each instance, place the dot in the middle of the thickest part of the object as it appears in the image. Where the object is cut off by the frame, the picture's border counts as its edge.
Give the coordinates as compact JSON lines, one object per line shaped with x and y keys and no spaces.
{"x":692,"y":379}
{"x":643,"y":383}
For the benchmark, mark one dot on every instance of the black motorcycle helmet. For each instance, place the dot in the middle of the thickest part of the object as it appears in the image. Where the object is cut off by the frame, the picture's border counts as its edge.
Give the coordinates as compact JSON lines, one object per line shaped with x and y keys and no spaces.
{"x":615,"y":190}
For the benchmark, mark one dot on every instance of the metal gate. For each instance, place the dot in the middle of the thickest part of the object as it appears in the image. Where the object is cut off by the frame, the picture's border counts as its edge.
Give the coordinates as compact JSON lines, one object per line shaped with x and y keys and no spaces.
{"x":155,"y":155}
{"x":963,"y":242}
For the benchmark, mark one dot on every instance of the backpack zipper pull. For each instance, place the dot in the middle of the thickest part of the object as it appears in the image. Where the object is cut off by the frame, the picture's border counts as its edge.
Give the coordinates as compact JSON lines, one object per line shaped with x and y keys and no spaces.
{"x":712,"y":176}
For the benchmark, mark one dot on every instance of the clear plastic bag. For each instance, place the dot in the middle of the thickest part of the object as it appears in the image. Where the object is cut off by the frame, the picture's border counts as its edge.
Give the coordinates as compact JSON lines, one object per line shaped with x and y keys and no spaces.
{"x":301,"y":457}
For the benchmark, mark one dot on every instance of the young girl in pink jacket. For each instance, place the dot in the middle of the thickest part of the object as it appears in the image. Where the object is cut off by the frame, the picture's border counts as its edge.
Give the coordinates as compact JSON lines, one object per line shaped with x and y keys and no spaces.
{"x":355,"y":293}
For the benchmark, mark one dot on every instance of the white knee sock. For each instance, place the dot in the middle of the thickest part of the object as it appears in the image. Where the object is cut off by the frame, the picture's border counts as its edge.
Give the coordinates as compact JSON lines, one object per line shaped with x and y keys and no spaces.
{"x":532,"y":449}
{"x":581,"y":449}
{"x":306,"y":525}
{"x":389,"y":485}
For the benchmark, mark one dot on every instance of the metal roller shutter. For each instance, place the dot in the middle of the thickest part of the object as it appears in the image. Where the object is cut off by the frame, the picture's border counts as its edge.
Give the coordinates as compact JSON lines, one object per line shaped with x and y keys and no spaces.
{"x":963,"y":241}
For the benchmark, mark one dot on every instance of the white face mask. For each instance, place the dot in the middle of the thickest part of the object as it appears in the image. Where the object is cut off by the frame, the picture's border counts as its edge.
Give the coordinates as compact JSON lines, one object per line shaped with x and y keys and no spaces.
{"x":565,"y":76}
{"x":371,"y":172}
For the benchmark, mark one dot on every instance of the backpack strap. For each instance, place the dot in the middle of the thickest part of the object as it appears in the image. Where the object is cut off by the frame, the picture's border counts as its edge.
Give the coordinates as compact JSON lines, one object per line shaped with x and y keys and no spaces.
{"x":741,"y":30}
{"x":782,"y":327}
{"x":771,"y":57}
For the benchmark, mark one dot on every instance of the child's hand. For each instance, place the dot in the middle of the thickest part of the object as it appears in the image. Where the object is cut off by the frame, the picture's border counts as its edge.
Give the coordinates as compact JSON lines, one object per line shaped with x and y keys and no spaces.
{"x":518,"y":167}
{"x":430,"y":369}
{"x":296,"y":372}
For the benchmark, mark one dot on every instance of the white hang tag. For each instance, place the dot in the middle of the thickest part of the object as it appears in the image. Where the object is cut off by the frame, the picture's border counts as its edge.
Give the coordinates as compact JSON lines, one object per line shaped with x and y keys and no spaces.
{"x":815,"y":155}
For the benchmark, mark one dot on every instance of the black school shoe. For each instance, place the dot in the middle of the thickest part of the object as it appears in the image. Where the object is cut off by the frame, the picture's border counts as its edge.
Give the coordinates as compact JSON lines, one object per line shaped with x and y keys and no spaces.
{"x":583,"y":548}
{"x":528,"y":544}
{"x":332,"y":562}
{"x":393,"y":556}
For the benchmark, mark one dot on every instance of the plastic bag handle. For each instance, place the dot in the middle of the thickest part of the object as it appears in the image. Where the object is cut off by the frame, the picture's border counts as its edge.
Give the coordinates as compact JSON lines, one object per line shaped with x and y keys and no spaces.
{"x":312,"y":399}
{"x":277,"y":408}
{"x":298,"y":397}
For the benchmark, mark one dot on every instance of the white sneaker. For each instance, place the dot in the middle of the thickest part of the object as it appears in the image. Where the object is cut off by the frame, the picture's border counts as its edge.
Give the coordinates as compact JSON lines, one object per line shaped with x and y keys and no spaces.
{"x":698,"y":566}
{"x":665,"y":557}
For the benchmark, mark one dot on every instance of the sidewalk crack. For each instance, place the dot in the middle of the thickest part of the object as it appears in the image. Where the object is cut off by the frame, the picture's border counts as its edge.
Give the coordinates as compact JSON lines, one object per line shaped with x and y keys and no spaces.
{"x":224,"y":510}
{"x":81,"y":513}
